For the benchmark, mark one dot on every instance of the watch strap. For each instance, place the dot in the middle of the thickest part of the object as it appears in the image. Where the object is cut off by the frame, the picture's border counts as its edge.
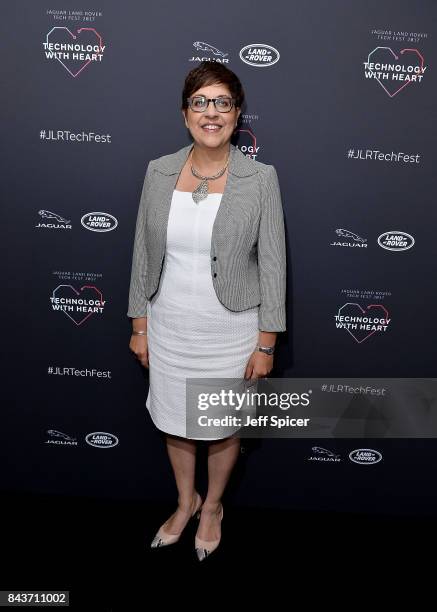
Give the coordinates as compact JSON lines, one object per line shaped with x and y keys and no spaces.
{"x":269,"y":350}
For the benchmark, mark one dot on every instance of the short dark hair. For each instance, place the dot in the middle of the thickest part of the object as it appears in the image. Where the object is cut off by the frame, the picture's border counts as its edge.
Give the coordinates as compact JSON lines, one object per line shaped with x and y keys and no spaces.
{"x":212,"y":73}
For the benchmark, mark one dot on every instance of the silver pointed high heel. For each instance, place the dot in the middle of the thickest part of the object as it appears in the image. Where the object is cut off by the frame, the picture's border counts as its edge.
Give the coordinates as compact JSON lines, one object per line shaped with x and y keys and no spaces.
{"x":162,"y":538}
{"x":205,"y":547}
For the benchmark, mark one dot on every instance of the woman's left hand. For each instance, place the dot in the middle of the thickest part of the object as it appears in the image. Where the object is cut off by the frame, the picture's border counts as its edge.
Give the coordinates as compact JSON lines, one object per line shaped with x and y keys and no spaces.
{"x":259,"y":365}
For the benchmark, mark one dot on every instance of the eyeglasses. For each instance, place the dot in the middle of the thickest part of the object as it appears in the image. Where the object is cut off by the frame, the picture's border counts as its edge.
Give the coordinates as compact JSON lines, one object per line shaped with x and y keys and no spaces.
{"x":199,"y":104}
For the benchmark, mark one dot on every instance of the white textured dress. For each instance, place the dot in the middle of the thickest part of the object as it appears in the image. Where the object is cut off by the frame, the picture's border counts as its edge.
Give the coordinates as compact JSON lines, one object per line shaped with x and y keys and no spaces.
{"x":190,"y":332}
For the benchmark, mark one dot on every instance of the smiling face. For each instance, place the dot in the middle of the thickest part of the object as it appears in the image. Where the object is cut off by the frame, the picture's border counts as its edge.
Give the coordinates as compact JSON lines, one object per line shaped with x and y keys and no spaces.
{"x":221,"y":125}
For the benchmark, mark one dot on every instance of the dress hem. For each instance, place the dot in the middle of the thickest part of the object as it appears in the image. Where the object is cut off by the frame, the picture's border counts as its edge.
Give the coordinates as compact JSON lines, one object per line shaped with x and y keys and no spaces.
{"x":184,"y":437}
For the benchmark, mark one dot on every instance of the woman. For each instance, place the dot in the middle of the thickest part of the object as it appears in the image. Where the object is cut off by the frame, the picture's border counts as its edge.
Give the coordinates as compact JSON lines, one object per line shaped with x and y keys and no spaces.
{"x":207,"y":291}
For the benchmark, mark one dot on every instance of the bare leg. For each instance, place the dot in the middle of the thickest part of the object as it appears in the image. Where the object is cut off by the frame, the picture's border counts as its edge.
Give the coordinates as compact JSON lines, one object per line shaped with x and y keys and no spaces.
{"x":222,"y":456}
{"x":182,"y":455}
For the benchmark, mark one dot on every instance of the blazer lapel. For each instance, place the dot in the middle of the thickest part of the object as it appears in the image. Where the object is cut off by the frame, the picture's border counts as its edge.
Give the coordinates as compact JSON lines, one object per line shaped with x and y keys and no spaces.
{"x":170,"y":167}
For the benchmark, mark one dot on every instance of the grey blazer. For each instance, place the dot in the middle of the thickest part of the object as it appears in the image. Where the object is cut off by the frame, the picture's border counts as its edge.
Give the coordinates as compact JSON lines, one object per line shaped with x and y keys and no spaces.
{"x":248,"y":263}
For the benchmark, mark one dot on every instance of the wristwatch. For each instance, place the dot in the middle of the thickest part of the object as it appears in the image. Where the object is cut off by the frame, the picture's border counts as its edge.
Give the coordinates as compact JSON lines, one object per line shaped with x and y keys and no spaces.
{"x":269,"y":350}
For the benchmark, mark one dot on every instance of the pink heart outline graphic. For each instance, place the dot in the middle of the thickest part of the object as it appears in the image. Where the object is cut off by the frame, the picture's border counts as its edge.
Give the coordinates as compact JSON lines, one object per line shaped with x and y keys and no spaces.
{"x":401,"y":52}
{"x":78,"y":293}
{"x":75,"y":37}
{"x":363,"y":311}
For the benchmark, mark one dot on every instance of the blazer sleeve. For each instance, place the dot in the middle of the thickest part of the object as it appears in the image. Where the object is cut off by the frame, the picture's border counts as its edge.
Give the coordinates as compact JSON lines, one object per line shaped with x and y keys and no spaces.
{"x":272,"y":257}
{"x":137,"y":291}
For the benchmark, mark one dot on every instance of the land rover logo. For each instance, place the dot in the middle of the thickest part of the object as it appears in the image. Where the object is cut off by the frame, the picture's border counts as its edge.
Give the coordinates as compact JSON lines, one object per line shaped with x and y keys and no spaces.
{"x":101,"y":439}
{"x":395,"y":241}
{"x":365,"y":456}
{"x":99,"y":222}
{"x":259,"y":55}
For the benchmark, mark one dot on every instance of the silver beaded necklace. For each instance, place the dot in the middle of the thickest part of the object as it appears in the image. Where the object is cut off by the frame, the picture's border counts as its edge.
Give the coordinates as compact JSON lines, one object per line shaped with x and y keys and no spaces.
{"x":201,"y":191}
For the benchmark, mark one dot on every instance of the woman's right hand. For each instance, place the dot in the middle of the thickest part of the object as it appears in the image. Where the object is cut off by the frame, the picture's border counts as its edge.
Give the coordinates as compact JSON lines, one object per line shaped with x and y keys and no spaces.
{"x":138,"y":345}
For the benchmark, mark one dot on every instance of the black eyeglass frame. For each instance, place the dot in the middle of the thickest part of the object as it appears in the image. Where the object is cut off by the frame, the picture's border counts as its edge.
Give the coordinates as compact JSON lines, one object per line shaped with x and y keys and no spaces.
{"x":208,"y":100}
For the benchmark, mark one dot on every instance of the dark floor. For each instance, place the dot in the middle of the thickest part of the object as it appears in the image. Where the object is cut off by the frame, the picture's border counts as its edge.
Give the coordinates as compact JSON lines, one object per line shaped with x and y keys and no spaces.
{"x":99,"y":551}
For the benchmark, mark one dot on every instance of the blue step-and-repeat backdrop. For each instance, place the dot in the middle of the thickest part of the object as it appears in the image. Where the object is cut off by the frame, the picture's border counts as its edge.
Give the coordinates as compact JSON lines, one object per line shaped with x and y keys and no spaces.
{"x":341,"y":99}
